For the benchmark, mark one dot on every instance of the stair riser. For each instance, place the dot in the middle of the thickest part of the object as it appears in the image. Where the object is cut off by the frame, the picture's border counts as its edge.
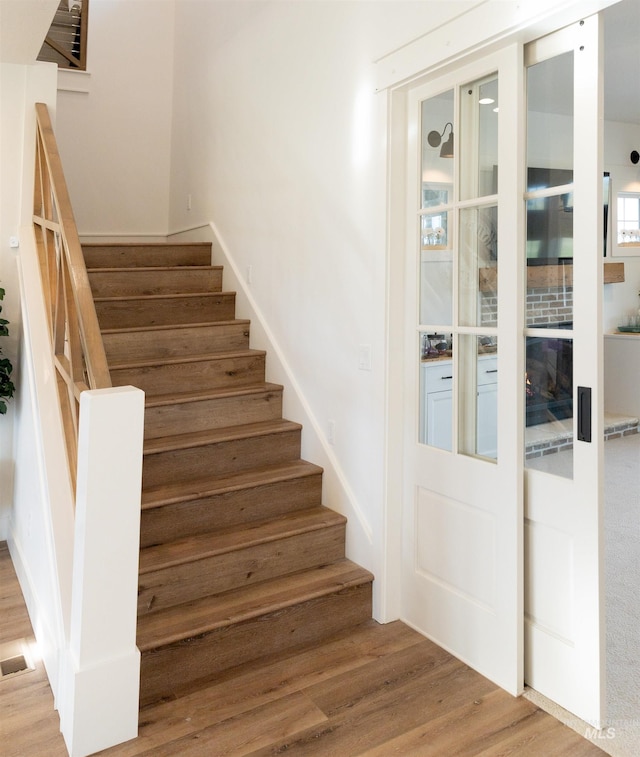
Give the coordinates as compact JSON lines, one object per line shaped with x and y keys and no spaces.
{"x":176,"y":342}
{"x":145,"y":282}
{"x":220,"y":458}
{"x":165,"y":311}
{"x":185,"y":666}
{"x":248,"y":505}
{"x":218,"y":412}
{"x":117,"y":256}
{"x":243,"y":567}
{"x":192,"y":376}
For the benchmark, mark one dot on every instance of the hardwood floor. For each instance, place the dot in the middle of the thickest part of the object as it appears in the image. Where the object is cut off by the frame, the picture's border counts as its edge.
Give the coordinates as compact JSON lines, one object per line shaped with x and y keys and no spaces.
{"x":375,"y":691}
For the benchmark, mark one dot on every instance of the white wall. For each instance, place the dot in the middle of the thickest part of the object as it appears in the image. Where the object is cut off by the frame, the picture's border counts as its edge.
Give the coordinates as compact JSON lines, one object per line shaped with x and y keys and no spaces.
{"x":620,"y":300}
{"x":20,"y":86}
{"x":25,"y":520}
{"x":12,"y":86}
{"x":280,"y":139}
{"x":114,"y":137}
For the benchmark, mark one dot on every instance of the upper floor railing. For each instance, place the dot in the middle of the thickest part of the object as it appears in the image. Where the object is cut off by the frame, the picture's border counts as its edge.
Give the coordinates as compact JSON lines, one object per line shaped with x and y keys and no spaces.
{"x":76,"y":341}
{"x":66,"y":40}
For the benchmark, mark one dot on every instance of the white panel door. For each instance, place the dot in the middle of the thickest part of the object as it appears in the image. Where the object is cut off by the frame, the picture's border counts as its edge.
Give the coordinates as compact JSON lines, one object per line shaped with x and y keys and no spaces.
{"x":563,"y":503}
{"x":463,"y":502}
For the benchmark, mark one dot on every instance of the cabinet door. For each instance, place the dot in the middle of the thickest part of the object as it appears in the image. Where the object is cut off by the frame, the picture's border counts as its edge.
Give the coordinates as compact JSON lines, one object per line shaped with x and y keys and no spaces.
{"x":486,"y":424}
{"x":439,"y":419}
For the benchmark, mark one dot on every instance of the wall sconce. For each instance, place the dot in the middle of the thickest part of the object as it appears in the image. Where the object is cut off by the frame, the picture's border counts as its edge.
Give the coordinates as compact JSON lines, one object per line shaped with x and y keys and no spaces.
{"x":434,"y":138}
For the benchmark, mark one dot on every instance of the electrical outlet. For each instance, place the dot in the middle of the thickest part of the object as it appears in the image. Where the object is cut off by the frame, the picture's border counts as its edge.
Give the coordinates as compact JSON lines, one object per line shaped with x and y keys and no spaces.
{"x":188,"y":202}
{"x":249,"y":274}
{"x":332,"y":431}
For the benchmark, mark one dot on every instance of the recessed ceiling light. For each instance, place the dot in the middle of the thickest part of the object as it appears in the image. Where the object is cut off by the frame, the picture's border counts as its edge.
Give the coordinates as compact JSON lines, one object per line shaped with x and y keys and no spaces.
{"x":486,"y":100}
{"x":496,"y":109}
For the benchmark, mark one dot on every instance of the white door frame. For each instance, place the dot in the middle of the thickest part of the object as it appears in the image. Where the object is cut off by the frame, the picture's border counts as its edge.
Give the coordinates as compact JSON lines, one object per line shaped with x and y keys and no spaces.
{"x":565,"y":638}
{"x":477,"y":582}
{"x":397,"y":73}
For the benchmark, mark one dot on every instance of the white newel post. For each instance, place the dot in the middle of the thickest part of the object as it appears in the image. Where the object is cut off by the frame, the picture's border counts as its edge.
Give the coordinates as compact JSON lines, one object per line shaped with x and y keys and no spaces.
{"x":100,"y":707}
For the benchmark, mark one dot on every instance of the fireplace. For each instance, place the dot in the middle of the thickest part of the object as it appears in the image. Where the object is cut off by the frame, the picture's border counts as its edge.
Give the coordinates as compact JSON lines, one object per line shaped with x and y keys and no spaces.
{"x":549,"y":378}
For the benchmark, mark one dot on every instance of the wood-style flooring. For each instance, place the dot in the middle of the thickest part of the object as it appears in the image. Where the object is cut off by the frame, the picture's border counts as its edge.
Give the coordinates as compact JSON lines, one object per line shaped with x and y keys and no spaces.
{"x":378,"y":691}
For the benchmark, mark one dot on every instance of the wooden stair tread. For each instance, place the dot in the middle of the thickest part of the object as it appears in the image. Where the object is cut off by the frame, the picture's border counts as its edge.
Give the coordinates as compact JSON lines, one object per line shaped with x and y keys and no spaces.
{"x":161,"y":327}
{"x":145,"y":245}
{"x":202,"y":616}
{"x":180,"y":491}
{"x":161,"y":556}
{"x":180,"y":359}
{"x":155,"y":268}
{"x":156,"y":297}
{"x":173,"y":399}
{"x":136,"y":254}
{"x":213,"y":436}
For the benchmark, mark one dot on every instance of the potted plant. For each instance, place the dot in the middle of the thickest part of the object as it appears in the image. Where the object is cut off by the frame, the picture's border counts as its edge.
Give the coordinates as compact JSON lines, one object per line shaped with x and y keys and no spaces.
{"x":6,"y":385}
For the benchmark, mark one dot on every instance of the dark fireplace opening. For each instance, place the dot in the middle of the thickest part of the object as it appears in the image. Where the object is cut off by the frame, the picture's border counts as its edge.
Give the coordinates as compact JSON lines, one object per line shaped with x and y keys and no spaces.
{"x":549,"y":378}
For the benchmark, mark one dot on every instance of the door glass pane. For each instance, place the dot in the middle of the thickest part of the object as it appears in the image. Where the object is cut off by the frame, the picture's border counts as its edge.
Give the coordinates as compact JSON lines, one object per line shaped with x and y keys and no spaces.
{"x":437,"y":145}
{"x":436,"y":389}
{"x":550,"y":121}
{"x":479,"y":138}
{"x":549,"y":405}
{"x":436,"y":271}
{"x":478,"y":266}
{"x":550,"y":229}
{"x":548,"y":381}
{"x":478,"y":395}
{"x":435,"y":216}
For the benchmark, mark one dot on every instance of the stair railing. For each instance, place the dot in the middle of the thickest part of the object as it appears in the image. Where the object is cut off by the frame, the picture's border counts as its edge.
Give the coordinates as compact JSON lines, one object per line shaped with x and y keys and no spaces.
{"x":97,"y":670}
{"x":76,"y":341}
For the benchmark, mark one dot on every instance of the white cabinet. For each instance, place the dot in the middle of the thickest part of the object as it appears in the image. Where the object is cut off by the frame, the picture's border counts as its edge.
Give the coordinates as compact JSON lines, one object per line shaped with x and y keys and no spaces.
{"x":436,"y":384}
{"x":436,"y":387}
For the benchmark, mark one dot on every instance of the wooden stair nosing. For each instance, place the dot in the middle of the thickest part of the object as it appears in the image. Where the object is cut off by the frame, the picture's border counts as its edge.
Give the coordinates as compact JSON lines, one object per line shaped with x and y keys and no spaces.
{"x":153,"y":245}
{"x":157,"y":297}
{"x":154,"y":268}
{"x":163,"y":556}
{"x":162,"y":400}
{"x":214,"y":436}
{"x":165,"y":495}
{"x":116,"y":365}
{"x":205,"y":615}
{"x":162,"y":327}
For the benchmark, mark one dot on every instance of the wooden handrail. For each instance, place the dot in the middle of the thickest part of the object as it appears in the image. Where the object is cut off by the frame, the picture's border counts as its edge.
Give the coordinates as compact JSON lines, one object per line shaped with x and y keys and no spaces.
{"x":78,"y":351}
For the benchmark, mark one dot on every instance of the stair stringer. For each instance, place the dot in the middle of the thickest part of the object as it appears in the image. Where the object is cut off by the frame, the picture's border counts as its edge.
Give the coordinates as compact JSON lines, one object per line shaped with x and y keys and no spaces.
{"x":336,"y":490}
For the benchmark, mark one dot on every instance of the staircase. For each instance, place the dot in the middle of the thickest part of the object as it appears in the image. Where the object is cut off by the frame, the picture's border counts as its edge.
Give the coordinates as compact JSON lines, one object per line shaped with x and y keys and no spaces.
{"x":239,"y":559}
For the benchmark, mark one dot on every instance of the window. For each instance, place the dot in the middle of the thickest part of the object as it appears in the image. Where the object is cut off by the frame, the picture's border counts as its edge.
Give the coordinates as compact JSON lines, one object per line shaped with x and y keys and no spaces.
{"x":628,"y":218}
{"x":66,"y":41}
